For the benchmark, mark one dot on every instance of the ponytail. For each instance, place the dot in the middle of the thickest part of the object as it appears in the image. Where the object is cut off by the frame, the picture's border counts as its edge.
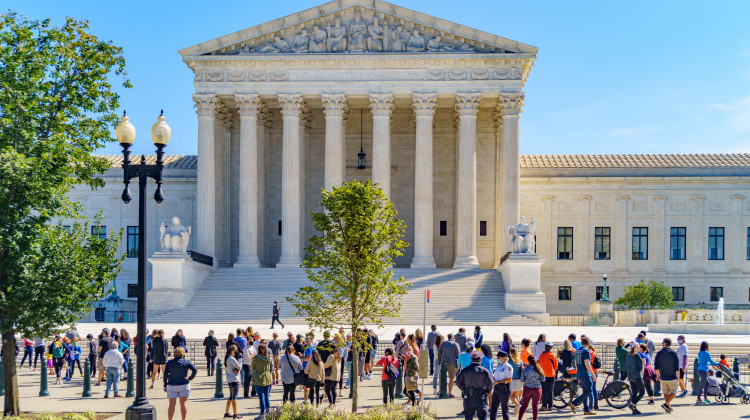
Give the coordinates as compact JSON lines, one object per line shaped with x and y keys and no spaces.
{"x":535,"y":365}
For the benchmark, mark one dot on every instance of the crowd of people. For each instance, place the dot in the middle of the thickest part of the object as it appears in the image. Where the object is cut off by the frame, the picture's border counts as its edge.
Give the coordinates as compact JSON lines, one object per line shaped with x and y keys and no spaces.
{"x":513,"y":380}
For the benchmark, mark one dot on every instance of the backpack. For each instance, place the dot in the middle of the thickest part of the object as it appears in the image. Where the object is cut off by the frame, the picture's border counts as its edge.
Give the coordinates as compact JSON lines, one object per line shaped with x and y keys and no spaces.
{"x":58,"y":352}
{"x":390,"y":370}
{"x":597,"y":363}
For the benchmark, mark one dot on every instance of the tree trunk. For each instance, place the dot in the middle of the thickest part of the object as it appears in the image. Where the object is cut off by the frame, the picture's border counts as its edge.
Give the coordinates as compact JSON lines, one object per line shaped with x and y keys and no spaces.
{"x":355,"y":377}
{"x":12,"y":406}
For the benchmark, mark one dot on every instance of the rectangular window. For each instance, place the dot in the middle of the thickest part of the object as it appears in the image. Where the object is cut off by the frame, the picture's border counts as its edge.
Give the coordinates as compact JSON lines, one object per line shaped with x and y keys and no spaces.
{"x":99,"y":314}
{"x":717,"y":293}
{"x":601,"y":243}
{"x":678,"y":294}
{"x":565,"y":243}
{"x":640,"y":243}
{"x":563,"y":293}
{"x":483,"y":228}
{"x":133,"y":290}
{"x":677,"y":243}
{"x":716,"y":243}
{"x":599,"y":291}
{"x":100,"y":231}
{"x":279,"y":227}
{"x":443,"y":228}
{"x":132,"y":241}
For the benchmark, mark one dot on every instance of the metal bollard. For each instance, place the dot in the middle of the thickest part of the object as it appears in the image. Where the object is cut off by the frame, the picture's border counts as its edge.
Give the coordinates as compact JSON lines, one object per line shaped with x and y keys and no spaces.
{"x":219,"y":377}
{"x":43,"y":385}
{"x":2,"y":376}
{"x":443,"y":380}
{"x":86,"y":378}
{"x":696,"y":378}
{"x":131,"y":376}
{"x":400,"y":380}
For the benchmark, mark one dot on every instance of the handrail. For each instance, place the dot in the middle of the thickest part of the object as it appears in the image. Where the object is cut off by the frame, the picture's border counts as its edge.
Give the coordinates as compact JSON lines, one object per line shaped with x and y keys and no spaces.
{"x":201,"y":258}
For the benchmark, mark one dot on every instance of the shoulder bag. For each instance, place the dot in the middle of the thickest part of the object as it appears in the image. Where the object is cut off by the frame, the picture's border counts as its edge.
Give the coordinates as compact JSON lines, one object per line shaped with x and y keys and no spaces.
{"x":299,"y":377}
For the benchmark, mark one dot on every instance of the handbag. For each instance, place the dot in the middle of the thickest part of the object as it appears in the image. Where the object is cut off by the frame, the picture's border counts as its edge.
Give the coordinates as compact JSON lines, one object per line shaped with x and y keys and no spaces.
{"x":299,"y":377}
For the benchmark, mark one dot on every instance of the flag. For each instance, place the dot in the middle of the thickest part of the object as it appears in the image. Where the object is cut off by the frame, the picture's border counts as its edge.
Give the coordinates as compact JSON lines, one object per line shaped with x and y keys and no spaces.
{"x":428,"y":296}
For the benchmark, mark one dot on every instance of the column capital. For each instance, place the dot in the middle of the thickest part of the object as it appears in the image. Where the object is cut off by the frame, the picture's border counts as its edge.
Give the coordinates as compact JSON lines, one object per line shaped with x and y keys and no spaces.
{"x":265,"y":116}
{"x":248,"y":104}
{"x":291,"y":104}
{"x":511,"y":103}
{"x":334,"y":104}
{"x":467,"y":103}
{"x":381,"y":104}
{"x":205,"y":104}
{"x":424,"y":104}
{"x":305,"y":117}
{"x":224,"y":115}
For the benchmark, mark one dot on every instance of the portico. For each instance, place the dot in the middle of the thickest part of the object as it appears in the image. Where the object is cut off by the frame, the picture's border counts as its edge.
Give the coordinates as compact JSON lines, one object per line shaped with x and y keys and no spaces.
{"x":428,"y":92}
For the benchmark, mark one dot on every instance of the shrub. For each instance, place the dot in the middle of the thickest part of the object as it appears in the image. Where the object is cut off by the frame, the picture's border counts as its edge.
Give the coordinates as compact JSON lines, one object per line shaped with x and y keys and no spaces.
{"x":384,"y":412}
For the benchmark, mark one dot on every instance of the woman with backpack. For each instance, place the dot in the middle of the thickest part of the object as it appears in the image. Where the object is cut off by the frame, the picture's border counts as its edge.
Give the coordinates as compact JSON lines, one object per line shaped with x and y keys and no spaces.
{"x":390,"y":373}
{"x":57,"y":351}
{"x":532,"y":377}
{"x":596,"y":364}
{"x":315,"y":372}
{"x":290,"y":365}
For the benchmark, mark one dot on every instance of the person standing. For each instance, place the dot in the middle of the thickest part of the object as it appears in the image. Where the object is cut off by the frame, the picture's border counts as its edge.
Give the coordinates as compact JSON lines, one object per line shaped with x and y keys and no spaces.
{"x":532,"y":377}
{"x":460,"y":338}
{"x":290,"y":366}
{"x":538,"y":348}
{"x":69,"y":358}
{"x":112,"y":364}
{"x":126,"y":343}
{"x":232,"y":373}
{"x":261,"y":367}
{"x":649,"y":344}
{"x":276,"y":313}
{"x":548,"y":362}
{"x":248,"y":354}
{"x":649,"y":374}
{"x":388,"y":381}
{"x":683,"y":353}
{"x":503,"y":376}
{"x":92,"y":354}
{"x":431,"y":336}
{"x":332,"y":373}
{"x":178,"y":340}
{"x":274,"y":346}
{"x":57,"y":351}
{"x":475,"y":383}
{"x":210,"y":343}
{"x":586,"y":376}
{"x":705,"y":361}
{"x":478,"y":337}
{"x":448,"y":353}
{"x":621,"y":353}
{"x":39,"y":352}
{"x":76,"y":360}
{"x":177,"y":381}
{"x":667,"y":366}
{"x":411,"y":376}
{"x":28,"y":351}
{"x":516,"y":386}
{"x":102,"y":348}
{"x":159,"y":349}
{"x":506,"y":343}
{"x":315,"y":375}
{"x":436,"y":375}
{"x":634,"y":370}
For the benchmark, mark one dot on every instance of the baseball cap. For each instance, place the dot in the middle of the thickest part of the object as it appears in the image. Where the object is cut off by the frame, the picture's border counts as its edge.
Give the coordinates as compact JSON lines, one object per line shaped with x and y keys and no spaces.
{"x":470,"y":345}
{"x":549,"y":344}
{"x":476,"y":354}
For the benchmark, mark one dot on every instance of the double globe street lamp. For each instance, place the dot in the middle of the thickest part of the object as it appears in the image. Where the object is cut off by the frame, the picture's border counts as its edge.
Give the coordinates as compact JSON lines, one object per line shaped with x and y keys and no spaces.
{"x":160,"y":133}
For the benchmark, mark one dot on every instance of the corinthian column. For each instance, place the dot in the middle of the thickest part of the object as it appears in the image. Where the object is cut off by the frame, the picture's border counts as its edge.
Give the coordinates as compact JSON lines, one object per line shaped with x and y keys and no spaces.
{"x":510,"y":167}
{"x":333,"y":107}
{"x":424,"y":108}
{"x":205,"y":107}
{"x":381,"y":106}
{"x":291,"y":106}
{"x":249,"y":107}
{"x":466,"y":185}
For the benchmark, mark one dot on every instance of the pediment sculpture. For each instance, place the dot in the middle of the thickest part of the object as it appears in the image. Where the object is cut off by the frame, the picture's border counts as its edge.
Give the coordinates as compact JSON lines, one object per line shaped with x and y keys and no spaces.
{"x":174,"y":238}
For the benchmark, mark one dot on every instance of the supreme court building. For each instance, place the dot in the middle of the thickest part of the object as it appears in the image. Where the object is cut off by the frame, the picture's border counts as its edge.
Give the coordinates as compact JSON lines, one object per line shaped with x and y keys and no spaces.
{"x":286,"y":108}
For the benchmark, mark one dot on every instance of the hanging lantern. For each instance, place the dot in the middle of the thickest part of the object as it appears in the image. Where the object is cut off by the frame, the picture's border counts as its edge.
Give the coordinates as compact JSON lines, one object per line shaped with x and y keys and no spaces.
{"x":361,"y":156}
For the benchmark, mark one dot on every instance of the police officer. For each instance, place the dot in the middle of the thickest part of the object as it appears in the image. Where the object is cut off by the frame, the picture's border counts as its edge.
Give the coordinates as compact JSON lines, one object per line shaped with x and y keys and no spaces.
{"x":503,"y":375}
{"x":475,"y":383}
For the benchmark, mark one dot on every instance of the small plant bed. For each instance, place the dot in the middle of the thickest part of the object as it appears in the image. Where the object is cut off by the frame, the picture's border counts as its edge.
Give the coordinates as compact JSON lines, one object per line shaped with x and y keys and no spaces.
{"x":384,"y":412}
{"x":89,"y":415}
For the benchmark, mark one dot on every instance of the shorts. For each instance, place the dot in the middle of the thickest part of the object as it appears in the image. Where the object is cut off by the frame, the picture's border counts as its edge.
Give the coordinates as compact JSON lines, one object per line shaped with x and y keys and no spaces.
{"x":516,"y":385}
{"x":234,"y":387}
{"x":276,"y":360}
{"x":178,"y":391}
{"x":682,"y":373}
{"x":100,"y":364}
{"x":669,"y":387}
{"x":451,"y":370}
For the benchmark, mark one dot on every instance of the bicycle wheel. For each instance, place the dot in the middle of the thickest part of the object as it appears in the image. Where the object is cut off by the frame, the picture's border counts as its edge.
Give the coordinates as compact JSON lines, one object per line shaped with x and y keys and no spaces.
{"x":744,"y":399}
{"x":621,"y":399}
{"x":564,"y":398}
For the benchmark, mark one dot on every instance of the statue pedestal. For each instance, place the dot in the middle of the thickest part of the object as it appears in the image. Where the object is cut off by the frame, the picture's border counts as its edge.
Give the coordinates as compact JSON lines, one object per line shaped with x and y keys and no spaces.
{"x":174,"y":279}
{"x":521,"y":275}
{"x":602,"y":313}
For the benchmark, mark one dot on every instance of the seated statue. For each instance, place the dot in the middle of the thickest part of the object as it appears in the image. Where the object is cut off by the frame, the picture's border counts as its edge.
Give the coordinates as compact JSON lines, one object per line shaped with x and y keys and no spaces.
{"x":522,"y":236}
{"x":175,"y":238}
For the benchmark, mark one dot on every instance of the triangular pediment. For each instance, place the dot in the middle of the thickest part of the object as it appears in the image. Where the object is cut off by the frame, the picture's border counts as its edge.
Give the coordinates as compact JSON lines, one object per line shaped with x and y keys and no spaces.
{"x":358,"y":27}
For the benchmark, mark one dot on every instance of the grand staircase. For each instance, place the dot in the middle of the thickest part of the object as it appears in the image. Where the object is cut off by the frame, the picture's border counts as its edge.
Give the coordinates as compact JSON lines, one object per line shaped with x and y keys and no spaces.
{"x":239,"y":295}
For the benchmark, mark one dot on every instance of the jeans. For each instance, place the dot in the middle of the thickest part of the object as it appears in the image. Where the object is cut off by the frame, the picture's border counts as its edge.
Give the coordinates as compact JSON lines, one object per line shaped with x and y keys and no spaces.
{"x":432,"y":361}
{"x":27,"y":351}
{"x":532,"y":395}
{"x":276,"y":319}
{"x":247,"y":375}
{"x":500,"y":400}
{"x":435,"y":377}
{"x":341,"y":378}
{"x":125,"y":365}
{"x":594,"y":395}
{"x":585,"y":397}
{"x":92,"y":363}
{"x":703,"y":385}
{"x":72,"y":363}
{"x":210,"y":364}
{"x":639,"y":389}
{"x":547,"y":387}
{"x":389,"y":390}
{"x":39,"y":353}
{"x":349,"y":373}
{"x":289,"y":392}
{"x":262,"y":392}
{"x":113,"y":380}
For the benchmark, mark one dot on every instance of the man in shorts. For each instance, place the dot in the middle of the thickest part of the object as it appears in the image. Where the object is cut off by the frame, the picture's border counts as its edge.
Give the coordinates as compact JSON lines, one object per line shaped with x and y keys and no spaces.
{"x":667,"y":366}
{"x":448,"y":353}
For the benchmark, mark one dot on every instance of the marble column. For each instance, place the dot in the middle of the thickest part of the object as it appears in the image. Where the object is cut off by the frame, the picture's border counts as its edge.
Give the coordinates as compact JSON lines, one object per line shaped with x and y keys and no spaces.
{"x":223,"y":172}
{"x":424,"y":108}
{"x":205,"y":105}
{"x":333,"y":108}
{"x":305,"y":123}
{"x":248,"y":105}
{"x":466,"y":185}
{"x":381,"y":105}
{"x":265,"y":123}
{"x":510,"y":106}
{"x":291,"y":207}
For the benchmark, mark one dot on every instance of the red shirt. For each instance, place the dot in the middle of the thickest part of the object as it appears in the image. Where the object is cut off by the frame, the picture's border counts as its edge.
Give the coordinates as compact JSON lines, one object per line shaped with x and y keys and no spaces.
{"x":387,"y":359}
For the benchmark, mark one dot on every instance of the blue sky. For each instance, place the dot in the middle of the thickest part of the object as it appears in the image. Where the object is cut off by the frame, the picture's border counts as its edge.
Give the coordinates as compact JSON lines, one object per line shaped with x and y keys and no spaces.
{"x":610,"y":77}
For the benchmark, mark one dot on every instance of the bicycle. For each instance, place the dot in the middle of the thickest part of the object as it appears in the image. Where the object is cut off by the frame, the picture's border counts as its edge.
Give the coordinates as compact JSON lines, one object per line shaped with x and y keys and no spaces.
{"x":616,"y":393}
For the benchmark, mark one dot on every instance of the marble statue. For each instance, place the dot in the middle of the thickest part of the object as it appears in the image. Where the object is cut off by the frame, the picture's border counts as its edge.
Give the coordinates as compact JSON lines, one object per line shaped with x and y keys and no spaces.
{"x":318,"y":40}
{"x":175,"y":238}
{"x":376,"y":36}
{"x":415,"y":43}
{"x":357,"y":33}
{"x":395,"y":42}
{"x":278,"y":45}
{"x":522,"y":236}
{"x":437,"y":45}
{"x":336,"y":36}
{"x":301,"y":42}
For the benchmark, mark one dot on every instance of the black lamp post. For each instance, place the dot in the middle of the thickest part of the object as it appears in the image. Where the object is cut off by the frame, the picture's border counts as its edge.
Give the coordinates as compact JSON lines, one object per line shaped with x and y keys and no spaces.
{"x":160,"y":133}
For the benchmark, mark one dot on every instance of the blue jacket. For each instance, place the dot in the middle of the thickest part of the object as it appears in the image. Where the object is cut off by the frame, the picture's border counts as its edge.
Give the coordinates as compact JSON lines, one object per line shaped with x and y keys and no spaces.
{"x":704,"y":360}
{"x":478,"y":338}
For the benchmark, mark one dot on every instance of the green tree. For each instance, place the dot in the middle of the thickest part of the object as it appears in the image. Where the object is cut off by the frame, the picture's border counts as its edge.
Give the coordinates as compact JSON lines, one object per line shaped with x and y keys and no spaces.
{"x":56,"y":107}
{"x":349,"y":264}
{"x":647,"y":295}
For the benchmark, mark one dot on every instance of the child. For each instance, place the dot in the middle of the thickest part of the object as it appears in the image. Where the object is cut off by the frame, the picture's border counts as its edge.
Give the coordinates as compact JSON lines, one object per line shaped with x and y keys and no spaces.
{"x":50,"y":365}
{"x":724,"y":362}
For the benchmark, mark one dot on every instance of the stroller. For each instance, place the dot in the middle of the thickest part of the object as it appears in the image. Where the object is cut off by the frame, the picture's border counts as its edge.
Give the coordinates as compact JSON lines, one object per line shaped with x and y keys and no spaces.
{"x":731,"y":387}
